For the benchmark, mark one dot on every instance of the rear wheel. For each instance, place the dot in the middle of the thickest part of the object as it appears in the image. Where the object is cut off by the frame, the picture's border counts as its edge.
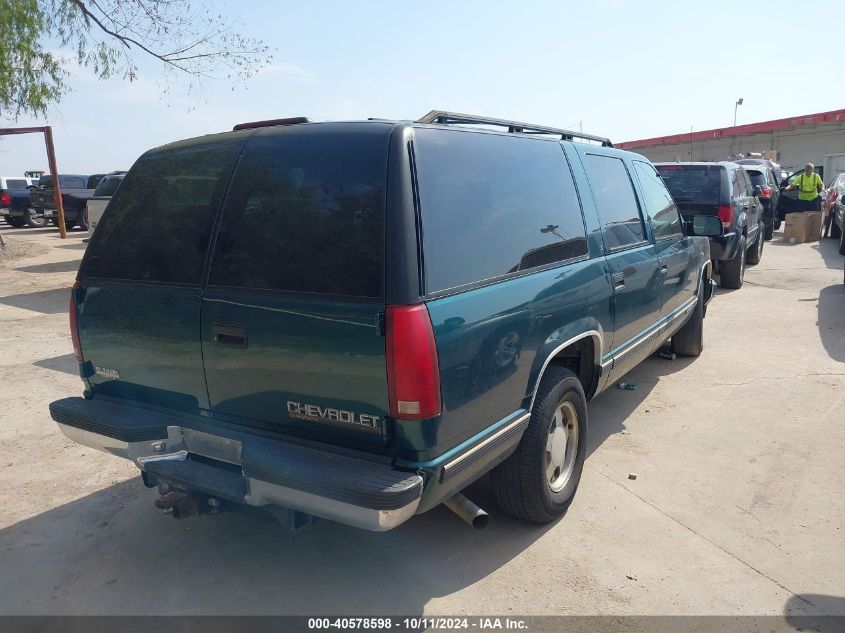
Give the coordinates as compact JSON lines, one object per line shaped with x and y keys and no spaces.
{"x":689,"y":340}
{"x":16,"y":221}
{"x":538,"y":481}
{"x":732,"y":271}
{"x":34,"y":220}
{"x":770,"y":229}
{"x":755,"y":252}
{"x":842,"y":242}
{"x":777,"y":224}
{"x":83,"y":218}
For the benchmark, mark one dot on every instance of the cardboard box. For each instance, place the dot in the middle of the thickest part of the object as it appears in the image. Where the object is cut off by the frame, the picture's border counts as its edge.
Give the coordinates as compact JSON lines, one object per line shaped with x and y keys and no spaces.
{"x":814,"y":226}
{"x":796,"y":228}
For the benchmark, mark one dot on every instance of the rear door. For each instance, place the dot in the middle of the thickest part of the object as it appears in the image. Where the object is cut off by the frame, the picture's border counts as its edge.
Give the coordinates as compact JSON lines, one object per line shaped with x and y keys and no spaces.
{"x":141,"y":277}
{"x":291,"y":314}
{"x":631,"y":256}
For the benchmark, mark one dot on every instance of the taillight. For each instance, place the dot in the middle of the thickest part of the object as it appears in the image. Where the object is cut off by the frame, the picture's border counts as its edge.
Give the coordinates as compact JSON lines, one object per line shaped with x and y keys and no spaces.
{"x":413,"y":373}
{"x":5,"y":199}
{"x":766,"y":192}
{"x":74,"y":323}
{"x":726,"y":215}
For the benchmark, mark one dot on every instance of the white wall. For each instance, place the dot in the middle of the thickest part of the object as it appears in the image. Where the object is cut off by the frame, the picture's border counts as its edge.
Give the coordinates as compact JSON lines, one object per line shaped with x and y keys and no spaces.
{"x":796,"y":147}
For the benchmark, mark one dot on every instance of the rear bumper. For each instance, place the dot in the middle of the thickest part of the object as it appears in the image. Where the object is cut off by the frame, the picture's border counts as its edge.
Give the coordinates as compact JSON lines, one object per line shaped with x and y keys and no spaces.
{"x":249,"y":469}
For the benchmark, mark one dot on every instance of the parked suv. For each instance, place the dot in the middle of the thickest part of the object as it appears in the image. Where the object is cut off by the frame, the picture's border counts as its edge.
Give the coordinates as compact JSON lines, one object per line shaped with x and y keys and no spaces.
{"x":357,"y":320}
{"x":721,"y":190}
{"x":767,"y":190}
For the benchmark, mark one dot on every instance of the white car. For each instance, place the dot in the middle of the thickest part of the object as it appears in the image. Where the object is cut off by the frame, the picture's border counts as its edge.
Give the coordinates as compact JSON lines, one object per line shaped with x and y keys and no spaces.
{"x":102,"y":194}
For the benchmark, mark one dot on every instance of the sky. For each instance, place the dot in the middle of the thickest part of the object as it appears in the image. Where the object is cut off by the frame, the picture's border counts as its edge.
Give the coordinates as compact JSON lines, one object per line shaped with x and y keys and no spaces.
{"x":616,"y":68}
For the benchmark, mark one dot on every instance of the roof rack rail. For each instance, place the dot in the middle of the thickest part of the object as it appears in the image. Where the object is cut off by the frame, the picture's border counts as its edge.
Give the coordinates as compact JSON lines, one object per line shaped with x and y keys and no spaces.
{"x":271,"y":122}
{"x":454,"y":118}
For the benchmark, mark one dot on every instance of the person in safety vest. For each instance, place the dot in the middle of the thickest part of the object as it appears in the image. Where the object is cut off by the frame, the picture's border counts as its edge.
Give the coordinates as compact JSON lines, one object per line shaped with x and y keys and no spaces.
{"x":809,"y":185}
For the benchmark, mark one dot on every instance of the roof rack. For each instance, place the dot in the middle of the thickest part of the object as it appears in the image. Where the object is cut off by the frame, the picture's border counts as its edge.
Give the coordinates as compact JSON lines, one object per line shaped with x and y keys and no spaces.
{"x":454,"y":118}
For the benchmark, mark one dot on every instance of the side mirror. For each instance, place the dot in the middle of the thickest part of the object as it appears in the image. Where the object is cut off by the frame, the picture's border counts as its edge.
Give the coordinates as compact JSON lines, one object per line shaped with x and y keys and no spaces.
{"x":706,"y":226}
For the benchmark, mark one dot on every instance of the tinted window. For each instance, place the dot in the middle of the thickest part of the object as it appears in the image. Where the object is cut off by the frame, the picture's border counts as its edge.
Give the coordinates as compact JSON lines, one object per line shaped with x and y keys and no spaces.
{"x":693,"y":184}
{"x":664,"y":214}
{"x":305,"y":213}
{"x":159,"y":221}
{"x":46,"y":181}
{"x":757,"y":177}
{"x":16,"y":183}
{"x":617,"y":203}
{"x":71,"y":182}
{"x":493,"y":205}
{"x":93,"y":181}
{"x":107,"y":186}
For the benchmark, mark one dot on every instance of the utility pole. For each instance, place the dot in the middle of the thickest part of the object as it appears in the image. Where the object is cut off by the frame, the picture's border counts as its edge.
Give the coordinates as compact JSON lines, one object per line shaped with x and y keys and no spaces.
{"x":733,"y":140}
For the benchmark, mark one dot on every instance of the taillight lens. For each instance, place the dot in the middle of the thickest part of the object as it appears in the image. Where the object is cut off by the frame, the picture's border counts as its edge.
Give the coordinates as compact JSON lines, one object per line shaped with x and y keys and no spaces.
{"x":413,"y":373}
{"x":766,"y":192}
{"x":74,"y":323}
{"x":726,"y":215}
{"x":5,"y":199}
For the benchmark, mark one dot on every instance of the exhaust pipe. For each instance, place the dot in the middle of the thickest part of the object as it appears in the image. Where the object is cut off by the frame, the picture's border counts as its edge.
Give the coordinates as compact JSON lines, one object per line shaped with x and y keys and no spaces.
{"x":468,"y":511}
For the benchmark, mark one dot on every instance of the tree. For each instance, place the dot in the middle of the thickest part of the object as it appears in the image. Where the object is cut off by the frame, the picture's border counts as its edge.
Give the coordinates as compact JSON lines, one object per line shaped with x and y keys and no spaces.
{"x":109,"y":37}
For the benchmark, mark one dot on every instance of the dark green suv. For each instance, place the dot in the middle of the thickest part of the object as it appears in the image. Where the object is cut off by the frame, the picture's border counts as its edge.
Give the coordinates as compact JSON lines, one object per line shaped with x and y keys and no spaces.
{"x":357,"y":320}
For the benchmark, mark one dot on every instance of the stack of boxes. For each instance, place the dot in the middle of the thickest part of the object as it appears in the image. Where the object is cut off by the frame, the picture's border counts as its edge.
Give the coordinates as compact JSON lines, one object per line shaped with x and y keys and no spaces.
{"x":803,"y":227}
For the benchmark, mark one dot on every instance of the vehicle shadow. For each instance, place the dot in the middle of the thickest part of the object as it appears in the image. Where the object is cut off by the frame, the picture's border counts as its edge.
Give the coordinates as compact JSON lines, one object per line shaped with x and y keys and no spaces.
{"x":111,"y":552}
{"x":831,"y":321}
{"x":829,"y":250}
{"x":52,"y":267}
{"x":65,"y":363}
{"x":800,"y":607}
{"x":610,"y":409}
{"x":45,"y":301}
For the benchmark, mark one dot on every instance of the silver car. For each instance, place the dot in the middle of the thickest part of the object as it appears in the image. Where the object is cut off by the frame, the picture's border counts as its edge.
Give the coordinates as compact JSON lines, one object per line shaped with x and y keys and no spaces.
{"x":102,"y":194}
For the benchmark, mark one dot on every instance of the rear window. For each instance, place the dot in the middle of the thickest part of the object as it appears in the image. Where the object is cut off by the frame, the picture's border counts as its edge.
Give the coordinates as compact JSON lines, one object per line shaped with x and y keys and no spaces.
{"x":16,"y":183}
{"x":493,"y":205}
{"x":757,"y":177}
{"x":693,"y":184}
{"x":93,"y":181}
{"x":305,"y":213}
{"x":107,"y":186}
{"x":46,"y":181}
{"x":159,"y":222}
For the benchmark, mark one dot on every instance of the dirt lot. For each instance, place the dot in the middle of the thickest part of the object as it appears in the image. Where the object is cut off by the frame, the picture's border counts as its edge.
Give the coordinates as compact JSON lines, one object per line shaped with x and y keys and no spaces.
{"x":736,"y":509}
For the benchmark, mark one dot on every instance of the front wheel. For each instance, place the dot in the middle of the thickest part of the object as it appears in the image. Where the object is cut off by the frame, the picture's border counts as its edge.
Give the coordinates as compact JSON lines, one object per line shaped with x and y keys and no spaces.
{"x":538,"y":481}
{"x":689,"y":340}
{"x":755,"y":252}
{"x":732,"y":271}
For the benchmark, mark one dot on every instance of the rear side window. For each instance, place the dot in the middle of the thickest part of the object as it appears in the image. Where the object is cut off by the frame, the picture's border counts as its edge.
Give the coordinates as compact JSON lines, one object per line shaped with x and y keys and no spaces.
{"x":107,"y":187}
{"x":160,"y":219}
{"x":493,"y":205}
{"x":664,"y":214}
{"x":71,"y":182}
{"x":623,"y":224}
{"x":693,"y":184}
{"x":305,"y":213}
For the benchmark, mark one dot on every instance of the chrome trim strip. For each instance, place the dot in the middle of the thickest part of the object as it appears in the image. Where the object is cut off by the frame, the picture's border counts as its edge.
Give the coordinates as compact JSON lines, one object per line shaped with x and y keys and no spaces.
{"x":595,"y":334}
{"x":502,"y":431}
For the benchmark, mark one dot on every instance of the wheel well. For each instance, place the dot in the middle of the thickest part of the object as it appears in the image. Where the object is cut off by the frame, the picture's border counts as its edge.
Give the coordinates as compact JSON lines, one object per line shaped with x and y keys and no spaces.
{"x":580,"y":358}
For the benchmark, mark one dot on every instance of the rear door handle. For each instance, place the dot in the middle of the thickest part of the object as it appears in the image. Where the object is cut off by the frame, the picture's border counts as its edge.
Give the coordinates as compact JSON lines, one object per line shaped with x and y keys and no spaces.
{"x":618,"y":280}
{"x":232,"y":335}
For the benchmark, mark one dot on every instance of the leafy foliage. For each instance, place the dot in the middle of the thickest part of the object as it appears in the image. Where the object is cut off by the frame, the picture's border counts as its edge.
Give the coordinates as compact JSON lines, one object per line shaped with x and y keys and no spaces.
{"x":109,"y":37}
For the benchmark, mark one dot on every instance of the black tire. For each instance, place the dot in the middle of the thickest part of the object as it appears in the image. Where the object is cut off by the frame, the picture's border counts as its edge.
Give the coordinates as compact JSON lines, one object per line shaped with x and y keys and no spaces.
{"x":842,"y":242}
{"x":689,"y":340}
{"x":835,"y":231}
{"x":732,"y":271}
{"x":15,"y":221}
{"x":755,"y":252}
{"x":35,"y":221}
{"x":82,"y":217}
{"x":770,"y":230}
{"x":777,"y":224}
{"x":520,"y":483}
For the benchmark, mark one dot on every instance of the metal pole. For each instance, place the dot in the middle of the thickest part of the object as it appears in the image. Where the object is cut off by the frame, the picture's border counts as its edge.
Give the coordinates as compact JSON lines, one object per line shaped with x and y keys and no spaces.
{"x":57,"y":189}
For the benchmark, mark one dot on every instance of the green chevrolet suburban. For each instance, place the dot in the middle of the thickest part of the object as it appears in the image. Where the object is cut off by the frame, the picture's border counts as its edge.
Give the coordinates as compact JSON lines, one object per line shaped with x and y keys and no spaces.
{"x":357,"y":320}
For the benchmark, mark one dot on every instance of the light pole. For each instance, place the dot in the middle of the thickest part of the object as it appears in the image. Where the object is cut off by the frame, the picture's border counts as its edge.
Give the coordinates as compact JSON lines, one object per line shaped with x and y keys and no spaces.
{"x":733,"y":138}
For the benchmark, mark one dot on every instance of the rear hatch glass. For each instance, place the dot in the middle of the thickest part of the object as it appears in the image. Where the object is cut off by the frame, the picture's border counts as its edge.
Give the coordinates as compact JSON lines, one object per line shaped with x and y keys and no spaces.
{"x":697,"y":189}
{"x":107,"y":186}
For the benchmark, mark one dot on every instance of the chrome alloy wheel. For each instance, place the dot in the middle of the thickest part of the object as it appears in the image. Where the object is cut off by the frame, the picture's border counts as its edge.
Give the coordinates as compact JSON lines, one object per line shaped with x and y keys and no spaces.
{"x":561,"y":446}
